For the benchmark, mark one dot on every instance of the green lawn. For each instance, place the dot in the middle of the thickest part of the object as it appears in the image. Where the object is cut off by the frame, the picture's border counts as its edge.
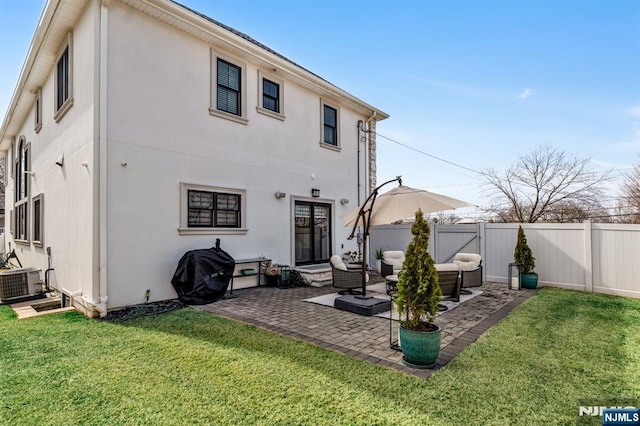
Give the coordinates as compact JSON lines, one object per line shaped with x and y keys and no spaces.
{"x":190,"y":367}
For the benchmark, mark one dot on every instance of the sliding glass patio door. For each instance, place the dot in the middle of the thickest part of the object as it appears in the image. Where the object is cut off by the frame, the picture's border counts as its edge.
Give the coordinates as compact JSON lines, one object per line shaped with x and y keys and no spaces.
{"x":312,"y":232}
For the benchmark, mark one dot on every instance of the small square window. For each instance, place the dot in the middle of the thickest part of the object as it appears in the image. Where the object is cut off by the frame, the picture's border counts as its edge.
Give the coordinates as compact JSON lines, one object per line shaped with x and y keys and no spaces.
{"x":270,"y":96}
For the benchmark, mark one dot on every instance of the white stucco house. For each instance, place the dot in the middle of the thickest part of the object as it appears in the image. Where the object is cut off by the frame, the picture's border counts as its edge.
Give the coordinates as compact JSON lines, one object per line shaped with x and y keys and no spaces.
{"x":141,"y":129}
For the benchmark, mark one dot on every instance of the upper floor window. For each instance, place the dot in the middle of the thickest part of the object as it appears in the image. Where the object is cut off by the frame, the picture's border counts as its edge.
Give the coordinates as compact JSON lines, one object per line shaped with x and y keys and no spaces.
{"x":212,"y":209}
{"x":228,"y":97}
{"x":229,"y":88}
{"x":330,"y":129}
{"x":270,"y":96}
{"x":37,"y":113}
{"x":63,"y":80}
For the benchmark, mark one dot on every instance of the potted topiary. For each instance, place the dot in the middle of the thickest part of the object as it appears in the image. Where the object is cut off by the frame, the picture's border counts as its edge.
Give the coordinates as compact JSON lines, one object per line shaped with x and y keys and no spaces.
{"x":526,"y":262}
{"x":417,"y":298}
{"x":379,"y":256}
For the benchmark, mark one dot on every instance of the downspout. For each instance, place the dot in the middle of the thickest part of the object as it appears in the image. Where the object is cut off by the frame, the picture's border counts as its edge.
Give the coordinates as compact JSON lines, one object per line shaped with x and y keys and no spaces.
{"x":102,"y":159}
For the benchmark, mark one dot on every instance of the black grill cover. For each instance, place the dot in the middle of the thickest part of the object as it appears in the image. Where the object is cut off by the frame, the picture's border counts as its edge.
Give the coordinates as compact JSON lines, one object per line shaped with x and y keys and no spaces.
{"x":202,"y":276}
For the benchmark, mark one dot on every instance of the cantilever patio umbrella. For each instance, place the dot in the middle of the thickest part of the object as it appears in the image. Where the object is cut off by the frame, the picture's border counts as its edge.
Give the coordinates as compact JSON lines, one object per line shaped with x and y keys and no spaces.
{"x":399,"y":203}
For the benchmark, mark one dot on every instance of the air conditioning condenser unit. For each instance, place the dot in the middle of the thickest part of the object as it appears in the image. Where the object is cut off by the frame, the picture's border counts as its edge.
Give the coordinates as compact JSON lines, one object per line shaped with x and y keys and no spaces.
{"x":18,"y":283}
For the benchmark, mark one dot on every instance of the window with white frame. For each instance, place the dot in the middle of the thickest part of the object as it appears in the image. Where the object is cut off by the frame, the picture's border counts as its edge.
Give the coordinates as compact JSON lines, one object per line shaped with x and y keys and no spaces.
{"x":38,"y":219}
{"x":208,"y":209}
{"x":330,"y":122}
{"x":270,"y":96}
{"x":37,"y":111}
{"x":227,"y":88}
{"x":21,"y":191}
{"x":63,"y":93}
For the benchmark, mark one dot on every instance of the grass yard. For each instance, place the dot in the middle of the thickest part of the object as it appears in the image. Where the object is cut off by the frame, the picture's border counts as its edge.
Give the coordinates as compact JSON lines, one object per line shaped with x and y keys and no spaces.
{"x":190,"y":367}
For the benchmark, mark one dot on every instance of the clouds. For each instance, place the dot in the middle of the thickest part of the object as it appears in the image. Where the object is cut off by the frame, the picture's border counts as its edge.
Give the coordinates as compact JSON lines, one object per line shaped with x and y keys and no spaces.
{"x":525,"y":93}
{"x":634,"y":112}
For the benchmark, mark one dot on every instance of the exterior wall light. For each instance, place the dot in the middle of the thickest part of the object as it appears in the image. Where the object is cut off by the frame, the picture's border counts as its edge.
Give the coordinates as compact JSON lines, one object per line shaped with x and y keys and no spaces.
{"x":315,"y":192}
{"x":280,"y":194}
{"x":344,"y":201}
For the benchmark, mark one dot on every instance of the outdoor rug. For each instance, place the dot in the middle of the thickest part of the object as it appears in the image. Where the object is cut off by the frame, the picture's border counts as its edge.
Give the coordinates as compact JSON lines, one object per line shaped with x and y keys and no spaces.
{"x":379,"y":291}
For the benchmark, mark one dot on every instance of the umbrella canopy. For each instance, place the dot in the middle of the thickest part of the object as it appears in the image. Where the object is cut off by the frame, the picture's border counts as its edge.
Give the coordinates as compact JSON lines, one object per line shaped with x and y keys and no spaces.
{"x":402,"y":202}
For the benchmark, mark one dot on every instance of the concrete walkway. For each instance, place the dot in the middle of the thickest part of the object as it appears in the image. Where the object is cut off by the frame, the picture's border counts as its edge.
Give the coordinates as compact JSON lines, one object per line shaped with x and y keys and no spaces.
{"x":284,"y":311}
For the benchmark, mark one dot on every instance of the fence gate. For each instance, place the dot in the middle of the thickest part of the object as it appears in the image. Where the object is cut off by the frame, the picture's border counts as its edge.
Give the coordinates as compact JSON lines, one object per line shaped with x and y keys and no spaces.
{"x":452,"y":239}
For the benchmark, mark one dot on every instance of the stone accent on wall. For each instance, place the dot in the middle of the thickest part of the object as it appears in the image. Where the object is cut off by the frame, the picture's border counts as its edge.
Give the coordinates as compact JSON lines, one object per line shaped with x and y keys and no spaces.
{"x":372,"y":155}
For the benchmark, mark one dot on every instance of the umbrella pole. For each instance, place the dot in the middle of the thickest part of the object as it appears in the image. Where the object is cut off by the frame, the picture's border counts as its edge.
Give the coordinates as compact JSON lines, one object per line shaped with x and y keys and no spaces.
{"x":365,"y":214}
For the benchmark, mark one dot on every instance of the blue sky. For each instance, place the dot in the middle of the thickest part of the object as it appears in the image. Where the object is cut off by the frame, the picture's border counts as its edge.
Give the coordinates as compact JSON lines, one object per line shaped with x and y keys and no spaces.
{"x":476,"y":83}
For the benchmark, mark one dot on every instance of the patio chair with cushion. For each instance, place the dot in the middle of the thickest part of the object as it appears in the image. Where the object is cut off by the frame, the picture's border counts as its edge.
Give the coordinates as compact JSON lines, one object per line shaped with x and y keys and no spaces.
{"x":471,"y":270}
{"x":449,"y":280}
{"x":349,"y":281}
{"x":392,"y":261}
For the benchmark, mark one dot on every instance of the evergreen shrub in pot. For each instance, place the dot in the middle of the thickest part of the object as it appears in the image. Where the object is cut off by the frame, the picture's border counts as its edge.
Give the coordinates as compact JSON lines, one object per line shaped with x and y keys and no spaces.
{"x":523,"y":257}
{"x":417,"y":298}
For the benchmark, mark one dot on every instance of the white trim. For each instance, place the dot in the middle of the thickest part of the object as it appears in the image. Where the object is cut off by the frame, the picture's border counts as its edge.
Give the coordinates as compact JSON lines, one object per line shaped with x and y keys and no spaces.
{"x":68,"y":103}
{"x":184,"y":228}
{"x":260,"y":108}
{"x":213,"y":108}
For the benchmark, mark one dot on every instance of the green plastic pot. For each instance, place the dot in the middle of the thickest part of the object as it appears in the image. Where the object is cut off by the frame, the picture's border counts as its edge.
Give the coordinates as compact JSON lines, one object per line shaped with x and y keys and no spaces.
{"x":420,"y":348}
{"x":529,"y":280}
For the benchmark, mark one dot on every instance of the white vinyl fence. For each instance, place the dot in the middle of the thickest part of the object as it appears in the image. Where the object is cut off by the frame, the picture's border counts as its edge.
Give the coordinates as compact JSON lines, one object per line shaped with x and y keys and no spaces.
{"x":600,"y":258}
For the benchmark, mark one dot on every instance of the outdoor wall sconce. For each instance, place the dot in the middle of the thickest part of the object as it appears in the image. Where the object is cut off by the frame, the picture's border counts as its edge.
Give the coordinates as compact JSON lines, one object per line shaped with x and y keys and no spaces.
{"x":514,"y":276}
{"x":280,"y":194}
{"x":344,"y":201}
{"x":315,"y":192}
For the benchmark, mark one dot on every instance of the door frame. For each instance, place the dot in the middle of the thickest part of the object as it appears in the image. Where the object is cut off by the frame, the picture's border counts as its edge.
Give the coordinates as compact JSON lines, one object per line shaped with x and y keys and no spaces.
{"x":332,"y":231}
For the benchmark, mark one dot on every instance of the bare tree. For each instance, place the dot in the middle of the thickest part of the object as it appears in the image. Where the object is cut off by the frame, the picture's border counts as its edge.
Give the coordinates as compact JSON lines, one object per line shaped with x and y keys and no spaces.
{"x":629,"y":206}
{"x":546,"y":185}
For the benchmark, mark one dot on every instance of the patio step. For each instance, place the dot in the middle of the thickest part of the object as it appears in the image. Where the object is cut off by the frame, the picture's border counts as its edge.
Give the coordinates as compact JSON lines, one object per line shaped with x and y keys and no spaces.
{"x":317,"y":275}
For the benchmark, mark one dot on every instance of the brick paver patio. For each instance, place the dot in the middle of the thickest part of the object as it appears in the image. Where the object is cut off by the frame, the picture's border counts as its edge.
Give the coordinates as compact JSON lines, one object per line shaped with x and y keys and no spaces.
{"x":284,"y":311}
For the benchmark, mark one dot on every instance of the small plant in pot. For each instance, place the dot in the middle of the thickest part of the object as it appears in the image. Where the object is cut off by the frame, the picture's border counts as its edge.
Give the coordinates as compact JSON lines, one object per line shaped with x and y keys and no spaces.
{"x":417,"y":298}
{"x":523,"y":257}
{"x":271,"y":274}
{"x":379,"y":256}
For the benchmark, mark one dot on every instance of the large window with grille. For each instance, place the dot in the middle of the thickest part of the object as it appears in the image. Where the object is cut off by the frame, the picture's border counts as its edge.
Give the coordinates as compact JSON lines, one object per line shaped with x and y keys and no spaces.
{"x":212,"y":208}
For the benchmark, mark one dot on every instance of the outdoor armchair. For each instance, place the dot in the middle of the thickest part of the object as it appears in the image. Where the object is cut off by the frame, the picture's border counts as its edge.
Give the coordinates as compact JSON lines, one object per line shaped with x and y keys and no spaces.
{"x":449,"y":280}
{"x":470,"y":265}
{"x":349,"y":281}
{"x":391,"y":263}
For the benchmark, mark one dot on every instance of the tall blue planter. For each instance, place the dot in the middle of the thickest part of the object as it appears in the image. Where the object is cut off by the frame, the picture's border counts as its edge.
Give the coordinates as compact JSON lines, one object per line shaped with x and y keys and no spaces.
{"x":420,"y":348}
